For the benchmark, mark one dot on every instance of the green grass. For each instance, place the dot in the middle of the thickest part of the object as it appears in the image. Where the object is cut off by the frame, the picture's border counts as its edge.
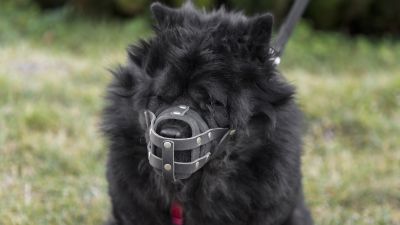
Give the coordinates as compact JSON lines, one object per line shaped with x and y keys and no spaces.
{"x":52,"y":79}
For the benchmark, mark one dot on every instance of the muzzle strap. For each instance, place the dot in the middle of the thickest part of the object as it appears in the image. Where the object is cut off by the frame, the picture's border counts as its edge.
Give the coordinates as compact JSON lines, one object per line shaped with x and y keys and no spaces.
{"x":182,"y":144}
{"x":179,"y":170}
{"x":168,"y":160}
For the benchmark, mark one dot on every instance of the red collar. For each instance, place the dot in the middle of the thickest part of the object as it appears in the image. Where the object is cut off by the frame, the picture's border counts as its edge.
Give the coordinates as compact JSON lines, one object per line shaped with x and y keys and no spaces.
{"x":176,"y":213}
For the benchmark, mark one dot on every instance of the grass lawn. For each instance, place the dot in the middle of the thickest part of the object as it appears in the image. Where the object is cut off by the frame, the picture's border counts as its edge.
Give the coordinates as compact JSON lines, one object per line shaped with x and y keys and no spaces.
{"x":53,"y":73}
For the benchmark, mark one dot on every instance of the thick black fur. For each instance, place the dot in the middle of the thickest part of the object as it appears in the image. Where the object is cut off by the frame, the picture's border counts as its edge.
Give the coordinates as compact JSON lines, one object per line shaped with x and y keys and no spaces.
{"x":218,"y":64}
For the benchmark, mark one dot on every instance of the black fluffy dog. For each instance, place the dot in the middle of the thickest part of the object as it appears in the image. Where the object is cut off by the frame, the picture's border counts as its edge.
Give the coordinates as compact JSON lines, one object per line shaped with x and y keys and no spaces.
{"x":217,"y":63}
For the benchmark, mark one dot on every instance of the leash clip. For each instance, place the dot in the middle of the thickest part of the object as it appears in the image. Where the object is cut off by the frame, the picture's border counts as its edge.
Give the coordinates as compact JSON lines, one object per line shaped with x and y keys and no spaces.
{"x":275,"y":59}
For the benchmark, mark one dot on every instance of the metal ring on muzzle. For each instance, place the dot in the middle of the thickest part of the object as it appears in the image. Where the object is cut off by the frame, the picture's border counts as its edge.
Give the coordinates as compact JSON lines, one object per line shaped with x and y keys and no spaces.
{"x":199,"y":144}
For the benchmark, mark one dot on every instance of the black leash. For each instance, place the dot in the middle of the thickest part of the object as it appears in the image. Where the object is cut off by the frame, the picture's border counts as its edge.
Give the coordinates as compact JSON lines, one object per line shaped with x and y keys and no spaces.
{"x":286,"y":29}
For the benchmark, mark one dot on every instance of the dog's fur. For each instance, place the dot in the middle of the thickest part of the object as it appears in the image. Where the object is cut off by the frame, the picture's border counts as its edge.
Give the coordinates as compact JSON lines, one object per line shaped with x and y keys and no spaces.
{"x":218,"y":64}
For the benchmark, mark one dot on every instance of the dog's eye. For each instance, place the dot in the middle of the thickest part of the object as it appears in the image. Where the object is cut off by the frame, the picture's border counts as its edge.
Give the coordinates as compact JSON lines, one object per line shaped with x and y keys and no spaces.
{"x":219,"y":104}
{"x":159,"y":98}
{"x":216,"y":103}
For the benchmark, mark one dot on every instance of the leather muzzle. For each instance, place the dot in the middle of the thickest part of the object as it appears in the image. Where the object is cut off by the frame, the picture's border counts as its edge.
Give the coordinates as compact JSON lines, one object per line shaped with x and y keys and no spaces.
{"x":199,"y":144}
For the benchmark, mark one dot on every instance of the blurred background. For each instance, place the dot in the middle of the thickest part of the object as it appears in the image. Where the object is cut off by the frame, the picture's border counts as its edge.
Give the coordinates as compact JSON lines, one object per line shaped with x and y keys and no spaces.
{"x":54,"y":55}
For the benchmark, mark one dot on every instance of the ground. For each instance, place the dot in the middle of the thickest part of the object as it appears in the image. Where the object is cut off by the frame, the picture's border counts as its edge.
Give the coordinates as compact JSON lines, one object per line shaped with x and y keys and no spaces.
{"x":53,"y":73}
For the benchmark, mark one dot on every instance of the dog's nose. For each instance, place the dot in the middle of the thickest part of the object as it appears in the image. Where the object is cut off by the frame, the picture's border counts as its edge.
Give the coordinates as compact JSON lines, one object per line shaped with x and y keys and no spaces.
{"x":175,"y":130}
{"x":171,"y":132}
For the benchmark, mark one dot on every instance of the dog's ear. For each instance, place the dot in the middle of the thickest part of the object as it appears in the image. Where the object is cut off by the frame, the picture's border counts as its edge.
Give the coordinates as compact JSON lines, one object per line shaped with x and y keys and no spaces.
{"x":164,"y":15}
{"x":259,"y":35}
{"x":261,"y":29}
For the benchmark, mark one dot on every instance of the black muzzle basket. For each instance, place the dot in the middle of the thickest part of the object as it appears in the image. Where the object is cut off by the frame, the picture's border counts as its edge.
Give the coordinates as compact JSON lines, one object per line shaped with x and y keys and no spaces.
{"x":199,"y":144}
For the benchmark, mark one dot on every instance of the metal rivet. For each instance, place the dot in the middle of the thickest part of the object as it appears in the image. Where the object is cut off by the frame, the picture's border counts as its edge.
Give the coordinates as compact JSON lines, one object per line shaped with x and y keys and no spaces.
{"x":232,"y":132}
{"x":197,"y":164}
{"x":210,"y":135}
{"x":198,"y":140}
{"x":167,"y":167}
{"x":176,"y":113}
{"x":182,"y":106}
{"x":167,"y":144}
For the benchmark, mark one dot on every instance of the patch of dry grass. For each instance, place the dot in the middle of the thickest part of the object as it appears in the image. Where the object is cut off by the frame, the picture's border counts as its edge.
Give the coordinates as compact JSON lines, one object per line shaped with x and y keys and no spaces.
{"x":351,"y":160}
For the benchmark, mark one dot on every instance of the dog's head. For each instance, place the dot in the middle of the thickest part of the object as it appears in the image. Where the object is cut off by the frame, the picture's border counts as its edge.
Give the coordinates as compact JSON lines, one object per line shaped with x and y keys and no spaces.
{"x":216,"y":63}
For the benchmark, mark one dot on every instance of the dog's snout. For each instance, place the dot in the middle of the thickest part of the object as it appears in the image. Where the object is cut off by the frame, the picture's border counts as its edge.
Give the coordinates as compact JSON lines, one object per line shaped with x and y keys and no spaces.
{"x":171,"y":132}
{"x":174,"y":129}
